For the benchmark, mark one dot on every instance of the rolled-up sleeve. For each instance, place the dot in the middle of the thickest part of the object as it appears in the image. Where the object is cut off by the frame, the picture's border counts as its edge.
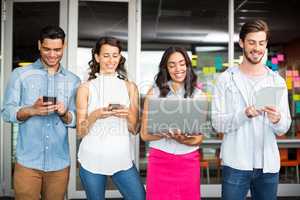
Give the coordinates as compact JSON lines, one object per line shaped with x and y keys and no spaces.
{"x":12,"y":96}
{"x":72,"y":103}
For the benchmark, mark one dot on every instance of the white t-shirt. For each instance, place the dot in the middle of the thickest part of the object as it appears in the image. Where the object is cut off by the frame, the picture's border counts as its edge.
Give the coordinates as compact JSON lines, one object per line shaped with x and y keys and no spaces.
{"x":258,"y":138}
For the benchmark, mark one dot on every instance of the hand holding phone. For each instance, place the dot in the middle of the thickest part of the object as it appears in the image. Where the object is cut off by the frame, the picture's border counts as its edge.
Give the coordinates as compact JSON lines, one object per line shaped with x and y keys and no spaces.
{"x":49,"y":99}
{"x":114,"y":106}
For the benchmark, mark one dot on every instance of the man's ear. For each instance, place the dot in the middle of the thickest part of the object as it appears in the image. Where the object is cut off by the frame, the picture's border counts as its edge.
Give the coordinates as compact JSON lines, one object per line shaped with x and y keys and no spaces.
{"x":241,"y":43}
{"x":65,"y":45}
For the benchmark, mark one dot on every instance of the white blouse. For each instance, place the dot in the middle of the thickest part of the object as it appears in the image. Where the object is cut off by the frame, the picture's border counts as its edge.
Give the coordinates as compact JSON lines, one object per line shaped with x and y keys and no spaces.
{"x":106,"y":148}
{"x":170,"y":145}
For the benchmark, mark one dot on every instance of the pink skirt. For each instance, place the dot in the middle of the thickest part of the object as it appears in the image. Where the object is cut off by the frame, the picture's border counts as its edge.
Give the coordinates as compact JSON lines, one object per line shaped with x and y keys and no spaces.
{"x":173,"y":177}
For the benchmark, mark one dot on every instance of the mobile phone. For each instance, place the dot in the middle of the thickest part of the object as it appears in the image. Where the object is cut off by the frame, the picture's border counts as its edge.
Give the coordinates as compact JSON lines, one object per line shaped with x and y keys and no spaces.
{"x":115,"y":106}
{"x":49,"y":99}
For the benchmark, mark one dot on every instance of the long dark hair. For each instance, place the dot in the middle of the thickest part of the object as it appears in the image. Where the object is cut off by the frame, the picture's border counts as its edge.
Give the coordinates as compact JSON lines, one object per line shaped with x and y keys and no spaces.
{"x":163,"y":75}
{"x":95,"y":66}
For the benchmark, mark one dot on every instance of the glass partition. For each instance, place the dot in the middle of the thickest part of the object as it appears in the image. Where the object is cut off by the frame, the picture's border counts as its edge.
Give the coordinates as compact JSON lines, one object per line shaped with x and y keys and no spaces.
{"x":95,"y":20}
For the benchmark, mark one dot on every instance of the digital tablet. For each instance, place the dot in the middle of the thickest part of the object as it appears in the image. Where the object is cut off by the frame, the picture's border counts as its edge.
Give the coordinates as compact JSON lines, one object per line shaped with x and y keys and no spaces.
{"x":186,"y":114}
{"x":268,"y":96}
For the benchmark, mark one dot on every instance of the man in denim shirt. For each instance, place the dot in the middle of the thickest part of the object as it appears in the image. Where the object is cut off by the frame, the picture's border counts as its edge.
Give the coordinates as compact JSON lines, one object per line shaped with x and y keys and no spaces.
{"x":41,"y":99}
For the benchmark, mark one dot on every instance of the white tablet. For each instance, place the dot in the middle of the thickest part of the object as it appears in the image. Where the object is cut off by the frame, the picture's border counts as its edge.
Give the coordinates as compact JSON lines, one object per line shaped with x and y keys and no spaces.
{"x":268,"y":96}
{"x":186,"y":114}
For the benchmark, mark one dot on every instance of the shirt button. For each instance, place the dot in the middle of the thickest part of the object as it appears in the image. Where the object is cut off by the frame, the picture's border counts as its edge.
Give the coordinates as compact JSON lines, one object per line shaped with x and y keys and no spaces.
{"x":47,"y":136}
{"x":48,"y":124}
{"x":46,"y":147}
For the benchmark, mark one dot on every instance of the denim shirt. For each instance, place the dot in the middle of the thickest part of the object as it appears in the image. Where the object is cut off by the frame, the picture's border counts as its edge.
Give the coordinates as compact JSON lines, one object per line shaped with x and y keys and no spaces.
{"x":42,"y":142}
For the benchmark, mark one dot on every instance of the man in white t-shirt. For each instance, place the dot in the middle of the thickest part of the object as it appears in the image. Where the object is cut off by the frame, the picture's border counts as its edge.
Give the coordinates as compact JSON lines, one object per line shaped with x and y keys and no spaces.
{"x":249,"y":151}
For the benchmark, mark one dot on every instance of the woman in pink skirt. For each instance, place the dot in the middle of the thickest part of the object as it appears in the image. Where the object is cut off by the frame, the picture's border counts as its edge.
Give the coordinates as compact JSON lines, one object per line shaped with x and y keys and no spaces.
{"x":173,"y":171}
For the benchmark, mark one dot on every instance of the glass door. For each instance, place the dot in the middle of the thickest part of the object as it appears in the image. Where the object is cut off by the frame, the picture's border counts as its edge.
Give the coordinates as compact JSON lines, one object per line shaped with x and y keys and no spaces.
{"x":91,"y":20}
{"x":22,"y":22}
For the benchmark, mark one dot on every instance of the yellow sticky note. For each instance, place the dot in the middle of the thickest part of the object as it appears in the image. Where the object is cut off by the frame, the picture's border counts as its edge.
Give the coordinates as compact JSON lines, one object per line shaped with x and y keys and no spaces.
{"x":212,"y":70}
{"x":205,"y":70}
{"x":296,"y":97}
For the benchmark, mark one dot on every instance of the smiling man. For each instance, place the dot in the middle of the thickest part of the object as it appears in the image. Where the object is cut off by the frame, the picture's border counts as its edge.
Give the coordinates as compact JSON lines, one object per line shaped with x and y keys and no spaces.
{"x":249,"y":151}
{"x":41,"y":99}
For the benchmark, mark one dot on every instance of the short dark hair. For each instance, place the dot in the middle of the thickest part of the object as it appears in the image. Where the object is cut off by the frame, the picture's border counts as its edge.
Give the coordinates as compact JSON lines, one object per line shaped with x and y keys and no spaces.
{"x":163,"y":76}
{"x":254,"y":26}
{"x":52,"y":32}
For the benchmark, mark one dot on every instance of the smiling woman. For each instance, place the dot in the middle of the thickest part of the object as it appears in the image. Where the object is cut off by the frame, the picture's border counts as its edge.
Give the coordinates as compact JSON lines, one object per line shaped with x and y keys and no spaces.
{"x":107,"y":113}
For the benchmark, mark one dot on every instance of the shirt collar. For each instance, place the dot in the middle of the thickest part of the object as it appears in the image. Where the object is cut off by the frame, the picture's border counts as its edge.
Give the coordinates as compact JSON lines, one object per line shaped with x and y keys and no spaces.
{"x":39,"y":65}
{"x":235,"y":69}
{"x":180,"y":90}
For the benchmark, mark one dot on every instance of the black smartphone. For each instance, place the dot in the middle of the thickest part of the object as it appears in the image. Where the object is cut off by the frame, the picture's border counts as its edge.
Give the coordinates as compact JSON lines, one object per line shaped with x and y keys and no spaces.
{"x":49,"y":99}
{"x":115,"y":106}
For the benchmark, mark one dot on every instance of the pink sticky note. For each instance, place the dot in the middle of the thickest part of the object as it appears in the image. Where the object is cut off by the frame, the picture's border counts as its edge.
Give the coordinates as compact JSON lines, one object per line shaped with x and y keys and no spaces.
{"x":289,"y":73}
{"x":296,"y":78}
{"x":199,"y":85}
{"x":280,"y":57}
{"x":274,"y":60}
{"x":297,"y":84}
{"x":295,"y":73}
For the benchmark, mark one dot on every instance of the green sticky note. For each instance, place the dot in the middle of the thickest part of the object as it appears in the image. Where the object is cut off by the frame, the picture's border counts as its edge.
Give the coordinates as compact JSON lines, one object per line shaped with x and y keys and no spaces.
{"x":218,"y":63}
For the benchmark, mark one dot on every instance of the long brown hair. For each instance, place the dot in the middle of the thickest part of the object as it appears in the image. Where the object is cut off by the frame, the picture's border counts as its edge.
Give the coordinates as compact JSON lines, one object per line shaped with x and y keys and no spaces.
{"x":163,"y":75}
{"x":95,"y":66}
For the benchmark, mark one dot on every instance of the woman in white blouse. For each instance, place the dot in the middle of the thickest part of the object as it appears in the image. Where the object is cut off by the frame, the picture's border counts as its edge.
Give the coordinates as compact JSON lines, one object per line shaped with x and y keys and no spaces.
{"x":107,"y":111}
{"x":173,"y":170}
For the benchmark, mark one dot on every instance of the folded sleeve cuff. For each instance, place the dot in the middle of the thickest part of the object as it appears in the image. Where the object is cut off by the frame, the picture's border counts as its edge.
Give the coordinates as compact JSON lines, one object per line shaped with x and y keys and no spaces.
{"x":72,"y":124}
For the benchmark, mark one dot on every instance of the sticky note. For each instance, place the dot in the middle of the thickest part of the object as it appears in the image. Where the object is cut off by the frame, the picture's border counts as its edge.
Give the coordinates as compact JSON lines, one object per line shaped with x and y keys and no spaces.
{"x":269,"y":63}
{"x":194,"y":60}
{"x":296,"y":97}
{"x":296,"y":78}
{"x":274,"y":67}
{"x":297,"y":107}
{"x":218,"y":63}
{"x":289,"y":83}
{"x":274,"y":60}
{"x":288,"y":73}
{"x":297,"y":84}
{"x":199,"y":85}
{"x":205,"y":70}
{"x":295,"y":73}
{"x":280,"y":57}
{"x":212,"y":70}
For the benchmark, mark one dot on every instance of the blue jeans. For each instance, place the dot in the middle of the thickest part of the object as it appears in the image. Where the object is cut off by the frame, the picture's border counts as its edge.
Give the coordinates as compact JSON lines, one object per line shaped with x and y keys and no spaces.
{"x":236,"y":184}
{"x":128,"y":182}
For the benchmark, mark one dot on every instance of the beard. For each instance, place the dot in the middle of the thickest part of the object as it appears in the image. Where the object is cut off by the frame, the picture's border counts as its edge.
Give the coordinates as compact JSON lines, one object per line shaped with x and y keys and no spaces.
{"x":250,"y":60}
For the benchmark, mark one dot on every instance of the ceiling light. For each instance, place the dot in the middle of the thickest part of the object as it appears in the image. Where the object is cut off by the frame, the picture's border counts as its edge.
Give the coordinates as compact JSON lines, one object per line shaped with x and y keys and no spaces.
{"x":209,"y":48}
{"x":253,"y":11}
